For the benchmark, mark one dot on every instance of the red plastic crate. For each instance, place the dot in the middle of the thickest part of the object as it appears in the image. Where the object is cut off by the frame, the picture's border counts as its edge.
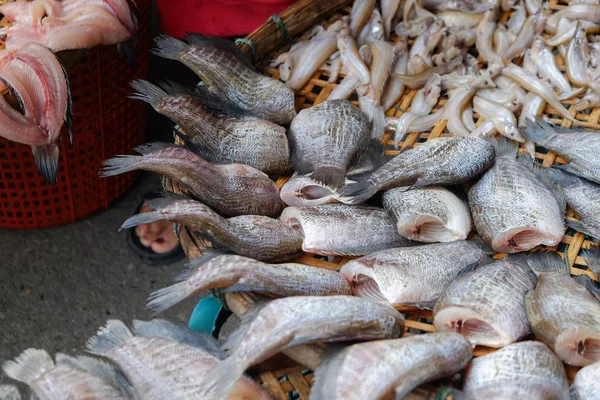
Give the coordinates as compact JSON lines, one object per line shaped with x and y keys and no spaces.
{"x":105,"y":123}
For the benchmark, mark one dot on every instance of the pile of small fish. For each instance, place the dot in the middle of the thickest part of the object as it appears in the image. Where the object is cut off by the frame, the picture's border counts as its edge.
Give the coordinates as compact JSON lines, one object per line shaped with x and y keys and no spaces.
{"x":35,"y":77}
{"x":407,"y":220}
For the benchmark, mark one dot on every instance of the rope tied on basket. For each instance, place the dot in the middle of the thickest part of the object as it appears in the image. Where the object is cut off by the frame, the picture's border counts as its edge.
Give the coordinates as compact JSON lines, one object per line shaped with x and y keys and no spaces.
{"x":283,"y":33}
{"x":250,"y":44}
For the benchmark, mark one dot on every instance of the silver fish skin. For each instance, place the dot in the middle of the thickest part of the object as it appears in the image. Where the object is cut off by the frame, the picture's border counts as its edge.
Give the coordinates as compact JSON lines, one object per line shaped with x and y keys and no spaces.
{"x":518,"y":18}
{"x":512,"y":208}
{"x":290,"y":321}
{"x":487,"y":305}
{"x":533,"y":26}
{"x":236,"y":273}
{"x":503,"y":39}
{"x":331,"y":229}
{"x":562,"y":312}
{"x":583,"y":197}
{"x":580,"y":11}
{"x":578,"y":57}
{"x":327,"y":138}
{"x":547,"y":68}
{"x":388,"y":12}
{"x":428,"y":214}
{"x":311,"y":355}
{"x":228,"y":74}
{"x":485,"y":33}
{"x":9,"y":392}
{"x":67,"y":378}
{"x":592,"y":259}
{"x":374,"y":370}
{"x":585,"y":384}
{"x":163,"y":360}
{"x":467,"y":6}
{"x":394,"y":89}
{"x":415,"y":276}
{"x":241,"y":190}
{"x":524,"y":370}
{"x":360,"y":14}
{"x":533,"y":107}
{"x":256,"y":236}
{"x":591,"y":99}
{"x":459,"y":20}
{"x":252,"y":141}
{"x":438,"y":161}
{"x":503,"y":119}
{"x":580,"y":147}
{"x":350,"y":57}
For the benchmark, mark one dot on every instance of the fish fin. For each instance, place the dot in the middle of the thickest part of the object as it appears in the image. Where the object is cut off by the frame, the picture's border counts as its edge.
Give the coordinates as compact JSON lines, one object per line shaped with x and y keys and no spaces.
{"x":169,"y":47}
{"x":69,"y":113}
{"x":144,"y":218}
{"x":504,"y":146}
{"x":109,"y":337}
{"x":334,"y":177}
{"x":187,"y":142}
{"x":155,"y":146}
{"x":161,"y":328}
{"x":592,"y":258}
{"x":357,"y":193}
{"x":591,"y":285}
{"x":483,"y":246}
{"x":581,"y":227}
{"x":217,"y":105}
{"x":208,"y":255}
{"x":220,"y":380}
{"x":552,"y":185}
{"x":566,"y":167}
{"x":538,"y":131}
{"x":29,"y":365}
{"x":372,"y":157}
{"x":199,"y":40}
{"x":562,"y":177}
{"x":46,"y":160}
{"x":238,"y":334}
{"x":545,"y":261}
{"x":92,"y":365}
{"x":148,"y":92}
{"x":167,"y":297}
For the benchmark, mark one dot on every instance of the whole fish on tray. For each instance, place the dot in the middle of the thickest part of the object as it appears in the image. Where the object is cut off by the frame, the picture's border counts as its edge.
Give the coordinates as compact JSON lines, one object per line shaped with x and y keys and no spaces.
{"x":428,"y":214}
{"x":512,"y":207}
{"x":67,"y":377}
{"x":415,"y":276}
{"x":228,"y":75}
{"x":241,"y":189}
{"x":37,"y":79}
{"x":166,"y":361}
{"x":245,"y":140}
{"x":254,"y":236}
{"x":376,"y":370}
{"x":339,"y":229}
{"x":290,"y":321}
{"x":563,"y":313}
{"x":487,"y":305}
{"x":524,"y":370}
{"x":440,"y":161}
{"x":236,"y":273}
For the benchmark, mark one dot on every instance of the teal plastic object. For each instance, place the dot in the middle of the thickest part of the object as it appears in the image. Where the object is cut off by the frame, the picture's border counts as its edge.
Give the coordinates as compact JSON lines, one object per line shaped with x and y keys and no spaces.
{"x":204,"y":316}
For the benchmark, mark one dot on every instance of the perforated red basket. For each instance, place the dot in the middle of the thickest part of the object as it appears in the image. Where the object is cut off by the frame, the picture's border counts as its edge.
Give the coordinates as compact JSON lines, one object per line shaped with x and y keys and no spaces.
{"x":105,"y":123}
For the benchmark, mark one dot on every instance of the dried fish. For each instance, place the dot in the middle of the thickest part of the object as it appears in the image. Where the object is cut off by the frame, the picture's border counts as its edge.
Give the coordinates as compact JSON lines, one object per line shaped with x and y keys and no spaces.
{"x":302,"y":191}
{"x":533,"y":27}
{"x":503,"y":119}
{"x":546,"y":67}
{"x":360,"y":14}
{"x":350,"y":57}
{"x":580,"y":11}
{"x":585,"y":384}
{"x":485,"y":34}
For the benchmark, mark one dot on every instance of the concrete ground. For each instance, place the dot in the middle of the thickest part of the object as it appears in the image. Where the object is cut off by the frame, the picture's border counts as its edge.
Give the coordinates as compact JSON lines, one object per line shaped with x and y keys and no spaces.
{"x":59,"y":285}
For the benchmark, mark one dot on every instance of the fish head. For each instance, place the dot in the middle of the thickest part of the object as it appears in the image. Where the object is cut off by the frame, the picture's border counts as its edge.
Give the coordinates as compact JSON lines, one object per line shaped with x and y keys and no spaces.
{"x":578,"y":346}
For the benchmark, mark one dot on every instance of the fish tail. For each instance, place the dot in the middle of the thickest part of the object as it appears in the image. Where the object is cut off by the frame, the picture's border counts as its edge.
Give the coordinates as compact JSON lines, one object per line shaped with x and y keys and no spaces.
{"x":331,"y":176}
{"x":591,"y":285}
{"x":538,"y":131}
{"x":120,"y":164}
{"x":169,"y":47}
{"x":357,"y":193}
{"x":108,"y":338}
{"x":148,"y":92}
{"x":29,"y":365}
{"x":167,"y":297}
{"x":144,"y":218}
{"x":46,"y":160}
{"x":545,"y":261}
{"x":504,"y":146}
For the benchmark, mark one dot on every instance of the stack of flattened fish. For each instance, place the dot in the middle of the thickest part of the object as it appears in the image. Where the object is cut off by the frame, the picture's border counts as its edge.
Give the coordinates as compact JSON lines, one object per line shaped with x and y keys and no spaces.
{"x":32,"y":74}
{"x":415,"y":231}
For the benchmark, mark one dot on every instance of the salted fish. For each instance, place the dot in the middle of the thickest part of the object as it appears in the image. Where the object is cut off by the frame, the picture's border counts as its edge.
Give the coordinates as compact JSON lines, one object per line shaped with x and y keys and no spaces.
{"x":585,"y":384}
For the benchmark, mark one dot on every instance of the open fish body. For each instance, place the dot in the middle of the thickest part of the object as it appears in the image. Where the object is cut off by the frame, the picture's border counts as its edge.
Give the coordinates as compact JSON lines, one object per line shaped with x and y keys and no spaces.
{"x":562,"y":312}
{"x":327,"y":138}
{"x":524,"y":370}
{"x":163,"y":360}
{"x":255,"y":236}
{"x":578,"y":146}
{"x":227,"y":74}
{"x":241,"y":190}
{"x":375,"y":370}
{"x":439,"y":161}
{"x":290,"y":321}
{"x":428,"y":214}
{"x":301,"y":191}
{"x":247,"y":140}
{"x":67,"y":378}
{"x":487,"y":305}
{"x":236,"y":273}
{"x":414,"y":276}
{"x":513,"y":210}
{"x":331,"y":229}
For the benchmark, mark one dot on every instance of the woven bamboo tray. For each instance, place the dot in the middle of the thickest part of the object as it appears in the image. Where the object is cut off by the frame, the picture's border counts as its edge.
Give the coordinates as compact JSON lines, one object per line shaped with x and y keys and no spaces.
{"x":280,"y":376}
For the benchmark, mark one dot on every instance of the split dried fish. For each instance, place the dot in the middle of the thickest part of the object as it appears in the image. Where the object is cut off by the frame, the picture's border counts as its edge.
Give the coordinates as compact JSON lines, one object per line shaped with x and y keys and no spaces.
{"x":414,"y":276}
{"x":487,"y":305}
{"x":301,"y":191}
